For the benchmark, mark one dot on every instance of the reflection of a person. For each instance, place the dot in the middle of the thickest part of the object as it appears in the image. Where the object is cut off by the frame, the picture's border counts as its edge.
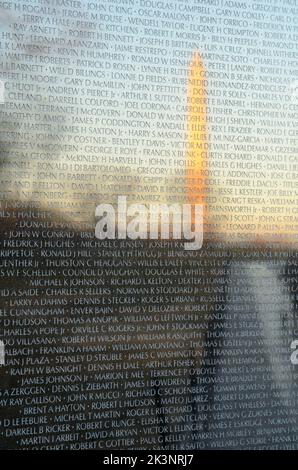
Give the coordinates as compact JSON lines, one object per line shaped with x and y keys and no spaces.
{"x":258,"y":323}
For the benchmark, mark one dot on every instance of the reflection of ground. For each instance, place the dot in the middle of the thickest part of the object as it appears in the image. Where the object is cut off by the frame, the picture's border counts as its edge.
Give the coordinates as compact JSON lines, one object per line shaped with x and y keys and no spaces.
{"x":152,"y":348}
